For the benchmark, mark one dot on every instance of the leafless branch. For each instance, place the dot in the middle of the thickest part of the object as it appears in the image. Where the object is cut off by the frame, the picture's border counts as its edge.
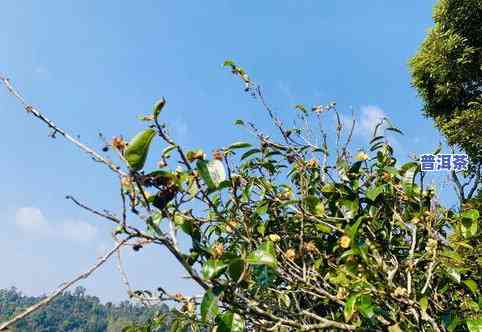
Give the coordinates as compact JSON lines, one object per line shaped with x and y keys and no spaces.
{"x":57,"y":130}
{"x":62,"y":288}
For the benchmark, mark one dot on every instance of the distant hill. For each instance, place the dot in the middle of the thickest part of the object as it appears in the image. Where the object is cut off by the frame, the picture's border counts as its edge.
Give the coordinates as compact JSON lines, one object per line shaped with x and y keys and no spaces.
{"x":74,"y":312}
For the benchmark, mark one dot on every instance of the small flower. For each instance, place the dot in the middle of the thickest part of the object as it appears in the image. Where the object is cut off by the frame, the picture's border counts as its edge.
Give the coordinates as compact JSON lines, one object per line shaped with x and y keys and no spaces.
{"x":345,"y":241}
{"x":179,"y":297}
{"x":161,"y":164}
{"x":290,"y":254}
{"x":400,"y":292}
{"x":342,"y":293}
{"x":126,"y":182}
{"x":431,"y":246}
{"x":188,"y":306}
{"x":311,"y":247}
{"x":217,"y":250}
{"x":312,"y":164}
{"x":274,"y":237}
{"x":285,"y":195}
{"x":361,"y":156}
{"x":231,"y":225}
{"x":195,"y":155}
{"x":386,"y":176}
{"x":118,"y":143}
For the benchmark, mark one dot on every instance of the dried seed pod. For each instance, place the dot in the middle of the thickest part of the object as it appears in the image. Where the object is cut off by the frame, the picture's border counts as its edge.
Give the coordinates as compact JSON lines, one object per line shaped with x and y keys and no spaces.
{"x":290,"y":254}
{"x":118,"y":143}
{"x":163,"y":197}
{"x":217,"y":250}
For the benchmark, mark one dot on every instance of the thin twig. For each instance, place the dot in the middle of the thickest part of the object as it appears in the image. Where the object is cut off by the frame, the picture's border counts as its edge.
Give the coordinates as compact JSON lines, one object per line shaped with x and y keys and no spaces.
{"x":62,"y":288}
{"x":57,"y":130}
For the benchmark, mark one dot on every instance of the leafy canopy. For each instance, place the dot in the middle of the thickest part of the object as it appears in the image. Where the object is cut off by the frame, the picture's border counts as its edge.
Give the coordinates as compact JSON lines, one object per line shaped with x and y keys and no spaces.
{"x":447,"y":73}
{"x":291,"y":234}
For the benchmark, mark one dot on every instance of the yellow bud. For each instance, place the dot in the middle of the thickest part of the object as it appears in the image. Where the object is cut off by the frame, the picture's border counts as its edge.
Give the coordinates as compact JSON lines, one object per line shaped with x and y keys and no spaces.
{"x":361,"y":156}
{"x":274,"y":237}
{"x":217,"y":250}
{"x":345,"y":241}
{"x":290,"y":254}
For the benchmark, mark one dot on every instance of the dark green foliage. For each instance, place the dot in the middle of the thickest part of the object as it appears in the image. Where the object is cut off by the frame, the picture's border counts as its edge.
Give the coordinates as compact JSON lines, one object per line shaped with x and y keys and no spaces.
{"x":74,"y":312}
{"x":447,"y":73}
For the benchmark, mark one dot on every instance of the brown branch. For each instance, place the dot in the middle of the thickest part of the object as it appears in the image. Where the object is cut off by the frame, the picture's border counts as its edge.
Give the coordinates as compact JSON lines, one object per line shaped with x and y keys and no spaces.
{"x":57,"y":130}
{"x":62,"y":288}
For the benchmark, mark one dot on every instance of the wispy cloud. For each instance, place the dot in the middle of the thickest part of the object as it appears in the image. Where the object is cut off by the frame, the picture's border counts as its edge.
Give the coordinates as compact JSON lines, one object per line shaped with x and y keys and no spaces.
{"x":367,"y":118}
{"x":287,"y":91}
{"x":42,"y":71}
{"x":31,"y":220}
{"x":370,"y":116}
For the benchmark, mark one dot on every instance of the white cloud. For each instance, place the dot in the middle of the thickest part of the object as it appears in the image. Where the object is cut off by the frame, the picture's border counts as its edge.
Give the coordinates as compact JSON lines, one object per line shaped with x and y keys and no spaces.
{"x":367,"y":118}
{"x":31,"y":220}
{"x":77,"y":231}
{"x":370,"y":116}
{"x":42,"y":71}
{"x":287,"y":90}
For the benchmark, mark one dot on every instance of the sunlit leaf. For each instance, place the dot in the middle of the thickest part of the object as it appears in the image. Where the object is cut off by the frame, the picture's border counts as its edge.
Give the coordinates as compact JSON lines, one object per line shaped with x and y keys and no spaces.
{"x":212,"y":268}
{"x":138,"y":148}
{"x":264,"y":255}
{"x":374,"y":192}
{"x":472,"y":285}
{"x":350,"y":306}
{"x":230,"y":322}
{"x":474,"y":325}
{"x":209,"y":306}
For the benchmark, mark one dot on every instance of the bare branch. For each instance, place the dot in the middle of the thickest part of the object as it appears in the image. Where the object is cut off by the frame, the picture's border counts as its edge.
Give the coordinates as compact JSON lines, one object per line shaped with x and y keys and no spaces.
{"x":62,"y":288}
{"x":57,"y":130}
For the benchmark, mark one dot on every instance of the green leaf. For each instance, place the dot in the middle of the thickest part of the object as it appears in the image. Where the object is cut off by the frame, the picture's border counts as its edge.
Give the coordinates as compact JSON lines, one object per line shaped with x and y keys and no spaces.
{"x":472,"y":285}
{"x":474,"y":325}
{"x":229,"y":63}
{"x":454,"y":274}
{"x":209,"y":306}
{"x":216,"y":171}
{"x":472,"y":214}
{"x":374,"y":192}
{"x":366,"y":306}
{"x":239,"y":145}
{"x":136,"y":151}
{"x":264,"y":275}
{"x":264,"y":255}
{"x":236,"y":268}
{"x":423,"y":303}
{"x":315,"y":205}
{"x":158,"y":106}
{"x":395,"y":130}
{"x":167,"y":151}
{"x":250,"y":153}
{"x":230,"y":322}
{"x":469,"y":227}
{"x":213,"y":268}
{"x":350,"y":306}
{"x":353,"y":229}
{"x":377,"y":138}
{"x":239,"y":122}
{"x":349,"y":208}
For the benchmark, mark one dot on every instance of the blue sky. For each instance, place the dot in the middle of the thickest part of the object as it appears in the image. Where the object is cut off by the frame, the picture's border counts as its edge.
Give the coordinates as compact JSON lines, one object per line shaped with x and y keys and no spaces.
{"x":93,"y":66}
